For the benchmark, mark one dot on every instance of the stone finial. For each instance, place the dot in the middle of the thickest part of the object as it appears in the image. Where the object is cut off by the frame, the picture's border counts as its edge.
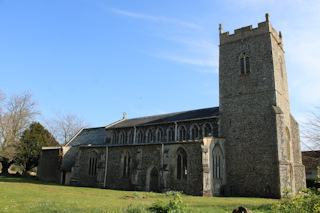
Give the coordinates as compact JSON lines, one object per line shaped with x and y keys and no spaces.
{"x":124,"y":115}
{"x":280,"y":34}
{"x":267,"y":17}
{"x":220,"y":29}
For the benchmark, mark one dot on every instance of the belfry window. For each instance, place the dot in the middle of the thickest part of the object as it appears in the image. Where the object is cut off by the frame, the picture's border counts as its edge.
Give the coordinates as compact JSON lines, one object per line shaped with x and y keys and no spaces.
{"x":92,"y":163}
{"x":244,"y":63}
{"x":182,"y":165}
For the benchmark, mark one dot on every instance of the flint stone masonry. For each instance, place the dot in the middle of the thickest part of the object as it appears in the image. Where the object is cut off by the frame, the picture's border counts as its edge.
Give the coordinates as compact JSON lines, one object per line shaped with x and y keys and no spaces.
{"x":248,"y":146}
{"x":50,"y":164}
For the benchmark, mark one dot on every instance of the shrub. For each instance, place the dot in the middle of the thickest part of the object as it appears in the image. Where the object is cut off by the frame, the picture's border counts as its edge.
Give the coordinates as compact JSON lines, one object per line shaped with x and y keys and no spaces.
{"x":136,"y":195}
{"x":173,"y":193}
{"x":307,"y":200}
{"x":175,"y":205}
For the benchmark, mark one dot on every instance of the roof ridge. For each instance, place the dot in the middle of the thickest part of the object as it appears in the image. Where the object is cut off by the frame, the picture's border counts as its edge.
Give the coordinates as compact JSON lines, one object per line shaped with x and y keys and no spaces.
{"x":170,"y":113}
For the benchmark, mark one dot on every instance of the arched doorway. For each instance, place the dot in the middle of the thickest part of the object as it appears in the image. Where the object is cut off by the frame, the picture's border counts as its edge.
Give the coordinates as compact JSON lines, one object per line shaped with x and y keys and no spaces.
{"x":154,"y":180}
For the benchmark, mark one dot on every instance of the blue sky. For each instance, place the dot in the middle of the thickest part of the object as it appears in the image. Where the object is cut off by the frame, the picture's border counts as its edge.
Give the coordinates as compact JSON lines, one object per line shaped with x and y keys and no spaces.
{"x":100,"y":58}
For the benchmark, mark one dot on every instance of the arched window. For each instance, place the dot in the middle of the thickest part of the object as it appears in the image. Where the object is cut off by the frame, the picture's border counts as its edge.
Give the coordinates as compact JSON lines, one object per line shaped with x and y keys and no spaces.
{"x":207,"y":130}
{"x":182,"y":165}
{"x":244,"y":63}
{"x":217,"y":163}
{"x":122,"y":138}
{"x":149,"y":138}
{"x":130,"y":137}
{"x":114,"y":138}
{"x":126,"y":164}
{"x":194,"y":132}
{"x":170,"y":135}
{"x":93,"y":157}
{"x":140,"y":137}
{"x":159,"y":135}
{"x":182,"y":133}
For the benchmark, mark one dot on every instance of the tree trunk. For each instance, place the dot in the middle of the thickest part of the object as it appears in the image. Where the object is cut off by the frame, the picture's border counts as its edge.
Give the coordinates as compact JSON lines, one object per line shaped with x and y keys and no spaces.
{"x":6,"y":163}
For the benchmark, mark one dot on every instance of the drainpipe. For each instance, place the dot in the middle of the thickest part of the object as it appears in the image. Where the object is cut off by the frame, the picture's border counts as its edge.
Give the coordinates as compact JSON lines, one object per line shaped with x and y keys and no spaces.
{"x":106,"y":168}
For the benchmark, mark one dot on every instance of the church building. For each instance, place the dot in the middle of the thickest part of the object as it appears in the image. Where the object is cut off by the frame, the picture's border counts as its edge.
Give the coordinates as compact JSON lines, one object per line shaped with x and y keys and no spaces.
{"x":249,"y":145}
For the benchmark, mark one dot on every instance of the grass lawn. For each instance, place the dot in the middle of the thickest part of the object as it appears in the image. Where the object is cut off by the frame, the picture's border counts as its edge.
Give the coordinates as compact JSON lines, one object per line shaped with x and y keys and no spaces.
{"x":19,"y":194}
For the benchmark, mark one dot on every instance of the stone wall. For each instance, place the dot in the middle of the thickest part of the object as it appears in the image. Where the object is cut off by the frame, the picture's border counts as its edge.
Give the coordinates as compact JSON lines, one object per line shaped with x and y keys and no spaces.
{"x":299,"y":169}
{"x":48,"y":169}
{"x":144,"y":158}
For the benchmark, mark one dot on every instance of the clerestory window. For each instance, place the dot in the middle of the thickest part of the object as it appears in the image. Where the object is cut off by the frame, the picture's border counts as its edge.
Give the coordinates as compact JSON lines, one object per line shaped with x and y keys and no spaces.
{"x":170,"y":135}
{"x":130,"y":137}
{"x":140,"y":137}
{"x":207,"y":130}
{"x":159,"y":135}
{"x":149,"y":138}
{"x":122,"y":137}
{"x":195,"y":132}
{"x":182,"y":133}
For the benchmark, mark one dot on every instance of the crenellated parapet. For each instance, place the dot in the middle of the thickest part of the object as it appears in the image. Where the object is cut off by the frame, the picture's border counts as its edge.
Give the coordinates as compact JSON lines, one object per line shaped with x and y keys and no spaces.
{"x":248,"y":32}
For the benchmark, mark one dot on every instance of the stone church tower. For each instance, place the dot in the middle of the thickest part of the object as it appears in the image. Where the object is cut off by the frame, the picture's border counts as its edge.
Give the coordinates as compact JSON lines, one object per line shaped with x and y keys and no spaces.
{"x":262,"y":138}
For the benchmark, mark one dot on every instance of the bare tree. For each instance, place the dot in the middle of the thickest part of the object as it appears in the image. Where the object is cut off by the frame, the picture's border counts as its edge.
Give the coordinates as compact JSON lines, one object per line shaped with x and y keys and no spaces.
{"x":65,"y":126}
{"x":311,"y":129}
{"x":16,"y":115}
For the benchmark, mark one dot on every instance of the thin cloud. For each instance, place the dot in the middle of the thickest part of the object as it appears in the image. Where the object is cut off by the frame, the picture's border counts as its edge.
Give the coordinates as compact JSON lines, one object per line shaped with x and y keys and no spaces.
{"x":196,"y":62}
{"x":156,"y":18}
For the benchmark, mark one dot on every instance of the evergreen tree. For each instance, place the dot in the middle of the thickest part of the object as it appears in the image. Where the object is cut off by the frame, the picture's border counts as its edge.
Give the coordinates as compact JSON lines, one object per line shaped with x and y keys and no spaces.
{"x":31,"y":143}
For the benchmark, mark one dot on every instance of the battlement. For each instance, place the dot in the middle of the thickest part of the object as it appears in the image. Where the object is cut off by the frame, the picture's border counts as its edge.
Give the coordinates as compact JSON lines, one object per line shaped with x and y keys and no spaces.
{"x":248,"y":31}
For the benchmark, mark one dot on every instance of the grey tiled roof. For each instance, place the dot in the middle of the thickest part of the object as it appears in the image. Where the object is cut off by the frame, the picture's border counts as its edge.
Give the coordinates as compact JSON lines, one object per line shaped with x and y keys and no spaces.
{"x":89,"y":136}
{"x":172,"y":117}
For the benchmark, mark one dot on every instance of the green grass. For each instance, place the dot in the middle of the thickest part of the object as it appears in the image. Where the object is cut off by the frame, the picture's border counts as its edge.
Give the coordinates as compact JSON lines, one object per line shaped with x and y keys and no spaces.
{"x":19,"y":194}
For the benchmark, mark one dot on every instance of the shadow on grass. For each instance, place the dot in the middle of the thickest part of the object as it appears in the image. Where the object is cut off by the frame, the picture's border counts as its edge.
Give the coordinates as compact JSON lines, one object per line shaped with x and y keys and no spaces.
{"x":20,"y":179}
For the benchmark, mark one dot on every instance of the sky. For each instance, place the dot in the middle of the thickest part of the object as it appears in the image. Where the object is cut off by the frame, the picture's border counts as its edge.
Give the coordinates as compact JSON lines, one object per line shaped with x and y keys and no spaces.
{"x":100,"y":58}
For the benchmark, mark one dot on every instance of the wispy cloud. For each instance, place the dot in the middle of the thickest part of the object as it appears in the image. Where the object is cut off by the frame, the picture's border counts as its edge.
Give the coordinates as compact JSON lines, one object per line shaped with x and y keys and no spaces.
{"x":156,"y":18}
{"x":185,"y":43}
{"x":209,"y":63}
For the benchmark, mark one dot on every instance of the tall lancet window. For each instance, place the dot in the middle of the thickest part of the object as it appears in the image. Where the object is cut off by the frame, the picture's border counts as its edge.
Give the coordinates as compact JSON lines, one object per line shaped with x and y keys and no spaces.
{"x":93,"y":158}
{"x":182,"y":165}
{"x":126,"y":161}
{"x":217,"y":163}
{"x":244,"y":63}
